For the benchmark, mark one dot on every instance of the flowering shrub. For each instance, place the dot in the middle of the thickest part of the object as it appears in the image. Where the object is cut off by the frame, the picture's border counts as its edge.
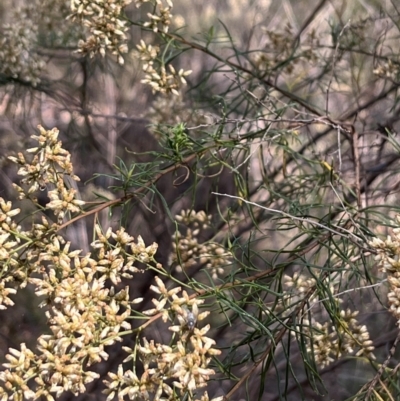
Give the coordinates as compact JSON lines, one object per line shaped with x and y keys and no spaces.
{"x":85,"y":314}
{"x":388,"y":252}
{"x":260,"y":189}
{"x":95,"y":27}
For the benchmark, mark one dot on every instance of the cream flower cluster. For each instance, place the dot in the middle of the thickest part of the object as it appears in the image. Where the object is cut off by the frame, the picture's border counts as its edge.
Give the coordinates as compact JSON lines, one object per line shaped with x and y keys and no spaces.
{"x":161,"y":78}
{"x":18,"y":58}
{"x":188,"y":251}
{"x":107,"y":30}
{"x":34,"y":24}
{"x":387,"y":70}
{"x":327,"y":341}
{"x":157,"y":76}
{"x":184,"y":360}
{"x":160,"y":18}
{"x":388,"y":257}
{"x":295,"y":287}
{"x":85,"y":312}
{"x":49,"y":167}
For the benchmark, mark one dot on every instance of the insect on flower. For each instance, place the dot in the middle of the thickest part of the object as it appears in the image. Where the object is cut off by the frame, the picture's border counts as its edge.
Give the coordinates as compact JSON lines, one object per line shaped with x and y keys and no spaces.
{"x":189,"y":318}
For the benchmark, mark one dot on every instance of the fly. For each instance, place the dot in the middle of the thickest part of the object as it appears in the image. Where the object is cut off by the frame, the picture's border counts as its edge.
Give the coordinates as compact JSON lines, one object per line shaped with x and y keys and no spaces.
{"x":190,"y":317}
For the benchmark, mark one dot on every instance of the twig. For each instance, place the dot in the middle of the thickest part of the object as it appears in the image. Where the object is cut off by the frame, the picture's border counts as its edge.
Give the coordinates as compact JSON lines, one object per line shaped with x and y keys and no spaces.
{"x":333,"y":66}
{"x":239,"y":67}
{"x":383,"y":367}
{"x":308,"y":21}
{"x":345,"y":292}
{"x":129,"y":195}
{"x":304,"y":220}
{"x":356,"y":166}
{"x":273,"y":343}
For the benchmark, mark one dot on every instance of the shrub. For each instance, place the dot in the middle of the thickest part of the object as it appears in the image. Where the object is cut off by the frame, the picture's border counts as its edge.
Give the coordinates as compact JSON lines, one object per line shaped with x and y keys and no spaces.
{"x":237,"y":184}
